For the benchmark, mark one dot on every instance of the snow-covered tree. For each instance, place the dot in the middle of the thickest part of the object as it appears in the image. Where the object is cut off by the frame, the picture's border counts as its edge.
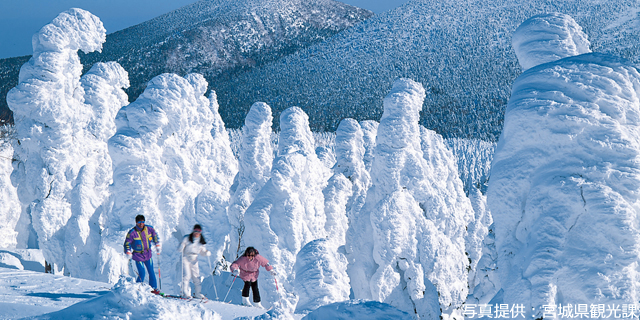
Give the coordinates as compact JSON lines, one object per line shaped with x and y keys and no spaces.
{"x":10,"y":209}
{"x":346,"y":190}
{"x":417,"y":214}
{"x":320,"y":270}
{"x":55,"y":148}
{"x":255,"y":159}
{"x":320,"y":275}
{"x":288,"y":212}
{"x":565,"y":176}
{"x":369,"y":131}
{"x":173,"y":164}
{"x":103,"y":90}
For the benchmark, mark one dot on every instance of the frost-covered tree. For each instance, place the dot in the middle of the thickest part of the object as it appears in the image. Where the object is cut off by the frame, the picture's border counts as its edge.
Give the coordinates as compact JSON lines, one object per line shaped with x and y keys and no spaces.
{"x":288,"y":212}
{"x":325,"y":280}
{"x":103,"y":90}
{"x":55,"y":149}
{"x":255,"y":159}
{"x":346,"y":190}
{"x":369,"y":131}
{"x":417,"y":214}
{"x":320,"y":275}
{"x":173,"y":164}
{"x":565,"y":176}
{"x":10,"y":209}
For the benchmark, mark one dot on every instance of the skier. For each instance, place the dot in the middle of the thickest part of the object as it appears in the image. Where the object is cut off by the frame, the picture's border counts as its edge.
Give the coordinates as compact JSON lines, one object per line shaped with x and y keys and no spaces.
{"x":247,"y":268}
{"x":192,"y":245}
{"x":137,"y":246}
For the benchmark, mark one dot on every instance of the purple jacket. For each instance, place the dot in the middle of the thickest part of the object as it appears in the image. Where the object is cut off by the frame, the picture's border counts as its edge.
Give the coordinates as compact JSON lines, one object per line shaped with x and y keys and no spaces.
{"x":249,"y":269}
{"x":139,"y":242}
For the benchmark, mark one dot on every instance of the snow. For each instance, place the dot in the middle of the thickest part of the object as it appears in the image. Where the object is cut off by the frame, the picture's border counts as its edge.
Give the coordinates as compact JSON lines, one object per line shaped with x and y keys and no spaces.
{"x":564,"y":181}
{"x":10,"y":209}
{"x":173,"y":164}
{"x":59,"y":180}
{"x":417,"y":260}
{"x":548,"y":37}
{"x":357,"y":310}
{"x":320,"y":276}
{"x":378,"y":220}
{"x":255,"y":158}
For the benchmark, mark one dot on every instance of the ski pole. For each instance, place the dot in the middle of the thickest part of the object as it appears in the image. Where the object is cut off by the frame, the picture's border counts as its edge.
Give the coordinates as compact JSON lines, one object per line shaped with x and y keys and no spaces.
{"x":213,"y":278}
{"x":159,"y":274}
{"x":134,"y":269}
{"x":231,"y":286}
{"x":276,"y":280}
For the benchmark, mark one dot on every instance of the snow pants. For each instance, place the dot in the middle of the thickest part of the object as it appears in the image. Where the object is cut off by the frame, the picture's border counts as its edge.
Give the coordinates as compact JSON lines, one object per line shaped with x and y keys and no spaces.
{"x":190,"y":271}
{"x":254,"y":287}
{"x":140,"y":265}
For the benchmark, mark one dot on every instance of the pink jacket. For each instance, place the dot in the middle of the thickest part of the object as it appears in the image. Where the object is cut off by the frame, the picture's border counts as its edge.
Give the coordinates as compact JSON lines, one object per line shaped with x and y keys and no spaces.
{"x":249,"y":269}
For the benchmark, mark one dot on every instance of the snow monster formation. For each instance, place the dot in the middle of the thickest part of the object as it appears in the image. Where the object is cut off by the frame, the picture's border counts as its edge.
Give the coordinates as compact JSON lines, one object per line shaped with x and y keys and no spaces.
{"x":566,"y":174}
{"x":172,"y":164}
{"x":62,"y":171}
{"x":288,"y":212}
{"x":415,"y":216}
{"x":255,"y":159}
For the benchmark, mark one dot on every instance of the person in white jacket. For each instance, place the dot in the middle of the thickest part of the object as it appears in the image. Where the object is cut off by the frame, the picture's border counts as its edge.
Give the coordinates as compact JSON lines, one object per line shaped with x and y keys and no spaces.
{"x":192,"y":245}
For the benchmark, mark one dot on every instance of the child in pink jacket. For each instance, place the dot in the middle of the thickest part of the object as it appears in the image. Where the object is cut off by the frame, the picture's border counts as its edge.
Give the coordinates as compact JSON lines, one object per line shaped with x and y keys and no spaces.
{"x":247,"y":267}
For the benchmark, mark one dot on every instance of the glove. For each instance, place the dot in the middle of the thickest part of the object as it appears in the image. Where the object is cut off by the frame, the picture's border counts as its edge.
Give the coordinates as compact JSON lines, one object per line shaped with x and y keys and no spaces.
{"x":129,"y":255}
{"x":273,"y":272}
{"x":236,"y":272}
{"x":158,"y":248}
{"x":208,"y":254}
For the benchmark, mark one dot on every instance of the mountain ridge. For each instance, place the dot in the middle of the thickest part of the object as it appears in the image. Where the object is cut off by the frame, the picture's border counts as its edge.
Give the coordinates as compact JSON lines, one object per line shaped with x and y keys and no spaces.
{"x":216,"y":38}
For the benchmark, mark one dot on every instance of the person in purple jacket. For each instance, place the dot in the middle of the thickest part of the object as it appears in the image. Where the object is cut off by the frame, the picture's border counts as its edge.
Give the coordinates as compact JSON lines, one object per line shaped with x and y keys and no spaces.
{"x":137,"y":246}
{"x":247,"y":268}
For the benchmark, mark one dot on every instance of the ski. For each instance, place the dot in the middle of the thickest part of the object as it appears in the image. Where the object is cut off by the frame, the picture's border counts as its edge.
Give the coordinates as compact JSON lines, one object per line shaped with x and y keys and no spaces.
{"x":170,"y":296}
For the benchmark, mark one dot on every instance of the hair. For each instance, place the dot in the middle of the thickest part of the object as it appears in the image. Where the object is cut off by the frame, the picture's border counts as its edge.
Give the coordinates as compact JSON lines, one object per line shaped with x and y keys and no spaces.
{"x":139,"y":218}
{"x":249,"y":251}
{"x":197,"y":227}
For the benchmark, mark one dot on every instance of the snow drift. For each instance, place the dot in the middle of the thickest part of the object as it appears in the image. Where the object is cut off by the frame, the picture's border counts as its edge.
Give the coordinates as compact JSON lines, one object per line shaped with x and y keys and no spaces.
{"x":563,"y":189}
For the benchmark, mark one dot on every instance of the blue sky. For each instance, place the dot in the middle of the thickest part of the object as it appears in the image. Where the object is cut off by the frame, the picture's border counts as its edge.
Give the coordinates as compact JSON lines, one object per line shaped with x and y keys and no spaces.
{"x":20,"y":19}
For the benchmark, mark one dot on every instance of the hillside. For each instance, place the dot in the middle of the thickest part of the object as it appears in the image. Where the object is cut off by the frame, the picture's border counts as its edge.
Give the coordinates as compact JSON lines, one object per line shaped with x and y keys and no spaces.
{"x":460,"y":51}
{"x":217,"y":38}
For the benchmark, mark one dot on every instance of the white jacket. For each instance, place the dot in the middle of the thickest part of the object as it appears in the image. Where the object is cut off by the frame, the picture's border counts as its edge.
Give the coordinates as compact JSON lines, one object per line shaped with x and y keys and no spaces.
{"x":190,"y":251}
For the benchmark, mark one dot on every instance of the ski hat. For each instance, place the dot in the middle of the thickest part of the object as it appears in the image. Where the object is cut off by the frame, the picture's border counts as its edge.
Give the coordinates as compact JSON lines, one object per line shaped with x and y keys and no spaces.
{"x":139,"y":218}
{"x":197,"y":227}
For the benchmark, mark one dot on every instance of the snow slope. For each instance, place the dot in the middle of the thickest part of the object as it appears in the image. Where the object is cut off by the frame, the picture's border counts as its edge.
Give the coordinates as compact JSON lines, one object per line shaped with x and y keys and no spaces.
{"x":563,"y":188}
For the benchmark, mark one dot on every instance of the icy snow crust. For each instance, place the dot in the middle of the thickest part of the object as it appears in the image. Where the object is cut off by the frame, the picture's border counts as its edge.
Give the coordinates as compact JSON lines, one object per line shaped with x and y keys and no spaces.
{"x":563,"y":189}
